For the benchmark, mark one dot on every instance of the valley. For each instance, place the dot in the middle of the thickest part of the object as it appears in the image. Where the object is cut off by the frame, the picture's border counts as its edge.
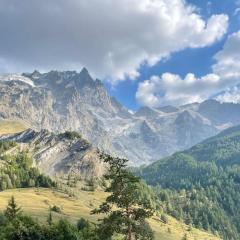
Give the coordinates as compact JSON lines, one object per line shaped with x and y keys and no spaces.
{"x":120,"y":120}
{"x":51,"y":154}
{"x":71,"y":199}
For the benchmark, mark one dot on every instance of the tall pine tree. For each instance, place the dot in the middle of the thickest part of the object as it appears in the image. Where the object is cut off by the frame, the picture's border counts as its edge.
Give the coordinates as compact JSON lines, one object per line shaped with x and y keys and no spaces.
{"x":126,"y":213}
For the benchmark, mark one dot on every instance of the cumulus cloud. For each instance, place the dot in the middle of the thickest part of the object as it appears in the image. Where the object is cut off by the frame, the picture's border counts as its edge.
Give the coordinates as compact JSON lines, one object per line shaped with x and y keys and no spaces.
{"x":111,"y":38}
{"x":230,"y":95}
{"x":228,"y":60}
{"x":172,"y":89}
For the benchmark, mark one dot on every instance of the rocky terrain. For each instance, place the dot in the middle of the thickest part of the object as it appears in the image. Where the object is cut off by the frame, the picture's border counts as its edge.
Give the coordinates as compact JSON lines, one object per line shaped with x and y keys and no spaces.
{"x":60,"y":154}
{"x":60,"y":101}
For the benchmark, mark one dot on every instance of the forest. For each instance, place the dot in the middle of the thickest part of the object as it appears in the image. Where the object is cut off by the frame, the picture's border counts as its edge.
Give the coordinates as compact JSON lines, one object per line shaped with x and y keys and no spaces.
{"x":201,"y":185}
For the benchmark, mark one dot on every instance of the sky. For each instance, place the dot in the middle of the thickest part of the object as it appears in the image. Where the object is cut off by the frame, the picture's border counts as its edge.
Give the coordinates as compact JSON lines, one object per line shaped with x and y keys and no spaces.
{"x":147,"y":52}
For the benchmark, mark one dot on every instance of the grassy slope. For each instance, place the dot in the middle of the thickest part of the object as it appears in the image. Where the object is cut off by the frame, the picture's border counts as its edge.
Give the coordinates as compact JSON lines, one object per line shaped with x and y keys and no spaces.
{"x":36,"y":202}
{"x":11,"y":126}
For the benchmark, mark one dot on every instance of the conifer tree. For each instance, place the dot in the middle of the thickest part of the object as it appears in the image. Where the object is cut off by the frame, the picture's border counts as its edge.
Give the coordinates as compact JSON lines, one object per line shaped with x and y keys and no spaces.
{"x":126,"y":214}
{"x":12,"y":211}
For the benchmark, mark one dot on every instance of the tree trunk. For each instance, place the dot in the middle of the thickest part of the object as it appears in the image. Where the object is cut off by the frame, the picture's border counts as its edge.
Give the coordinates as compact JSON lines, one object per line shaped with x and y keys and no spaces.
{"x":129,"y":235}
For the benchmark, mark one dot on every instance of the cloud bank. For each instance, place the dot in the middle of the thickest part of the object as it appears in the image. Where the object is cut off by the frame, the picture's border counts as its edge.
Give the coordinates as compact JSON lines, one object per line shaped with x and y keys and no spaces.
{"x":172,"y":89}
{"x":230,"y":95}
{"x":111,"y":38}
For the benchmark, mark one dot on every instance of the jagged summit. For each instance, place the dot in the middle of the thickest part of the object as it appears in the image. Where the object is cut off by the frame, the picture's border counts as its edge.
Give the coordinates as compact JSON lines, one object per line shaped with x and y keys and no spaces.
{"x":66,"y":79}
{"x":147,"y":112}
{"x":70,"y":100}
{"x":85,"y":72}
{"x":34,"y":75}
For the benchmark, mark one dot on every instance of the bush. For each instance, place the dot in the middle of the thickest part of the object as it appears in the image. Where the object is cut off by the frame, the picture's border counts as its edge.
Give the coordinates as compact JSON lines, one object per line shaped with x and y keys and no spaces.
{"x":56,"y":209}
{"x":3,"y":219}
{"x":82,"y":223}
{"x":72,"y":135}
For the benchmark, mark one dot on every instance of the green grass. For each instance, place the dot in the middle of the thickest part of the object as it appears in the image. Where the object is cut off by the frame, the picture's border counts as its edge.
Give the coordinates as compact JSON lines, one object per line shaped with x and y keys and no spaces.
{"x":12,"y":126}
{"x":36,"y":202}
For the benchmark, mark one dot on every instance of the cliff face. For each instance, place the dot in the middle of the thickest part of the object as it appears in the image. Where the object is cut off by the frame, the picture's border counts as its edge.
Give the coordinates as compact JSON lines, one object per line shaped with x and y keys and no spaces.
{"x":60,"y":154}
{"x":60,"y":101}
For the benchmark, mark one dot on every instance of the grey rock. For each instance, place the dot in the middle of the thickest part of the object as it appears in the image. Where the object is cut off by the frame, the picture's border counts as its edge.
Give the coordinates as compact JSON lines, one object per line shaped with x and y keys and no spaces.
{"x":59,"y":155}
{"x":60,"y":101}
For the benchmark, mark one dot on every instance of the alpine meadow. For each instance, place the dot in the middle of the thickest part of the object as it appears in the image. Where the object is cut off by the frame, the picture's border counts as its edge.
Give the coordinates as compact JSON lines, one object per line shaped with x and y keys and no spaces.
{"x":119,"y":120}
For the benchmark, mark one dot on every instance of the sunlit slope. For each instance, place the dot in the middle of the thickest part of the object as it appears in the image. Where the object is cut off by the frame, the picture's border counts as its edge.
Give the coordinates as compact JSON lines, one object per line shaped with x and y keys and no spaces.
{"x":36,"y":202}
{"x":11,"y":126}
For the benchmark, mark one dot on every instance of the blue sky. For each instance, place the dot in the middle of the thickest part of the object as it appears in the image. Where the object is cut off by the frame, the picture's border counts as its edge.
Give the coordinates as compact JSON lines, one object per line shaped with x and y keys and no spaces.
{"x":197,"y":61}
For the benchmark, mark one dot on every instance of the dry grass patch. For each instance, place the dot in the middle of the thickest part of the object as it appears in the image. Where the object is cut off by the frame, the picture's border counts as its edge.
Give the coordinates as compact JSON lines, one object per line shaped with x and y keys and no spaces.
{"x":36,"y":202}
{"x":11,"y":126}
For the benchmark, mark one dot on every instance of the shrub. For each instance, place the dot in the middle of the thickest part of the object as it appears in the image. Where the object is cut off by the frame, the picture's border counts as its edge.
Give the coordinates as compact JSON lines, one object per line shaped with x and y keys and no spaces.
{"x":72,"y":135}
{"x":56,"y":209}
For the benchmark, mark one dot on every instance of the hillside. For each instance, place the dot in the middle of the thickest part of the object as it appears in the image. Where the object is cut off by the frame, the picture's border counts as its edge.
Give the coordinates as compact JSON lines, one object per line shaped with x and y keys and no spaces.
{"x":63,"y":101}
{"x":16,"y":171}
{"x":10,"y":126}
{"x":203,"y":183}
{"x":59,"y":154}
{"x":36,"y":202}
{"x":223,"y":150}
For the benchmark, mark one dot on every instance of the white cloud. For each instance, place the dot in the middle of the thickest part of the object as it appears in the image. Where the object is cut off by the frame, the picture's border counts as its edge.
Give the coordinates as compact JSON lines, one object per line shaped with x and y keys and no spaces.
{"x":228,"y":60}
{"x":111,"y":38}
{"x":230,"y":95}
{"x":236,"y":12}
{"x":172,"y":89}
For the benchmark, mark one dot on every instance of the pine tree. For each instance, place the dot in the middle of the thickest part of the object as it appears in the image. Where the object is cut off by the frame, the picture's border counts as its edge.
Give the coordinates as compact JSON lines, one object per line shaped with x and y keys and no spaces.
{"x":12,"y":211}
{"x":126,"y":214}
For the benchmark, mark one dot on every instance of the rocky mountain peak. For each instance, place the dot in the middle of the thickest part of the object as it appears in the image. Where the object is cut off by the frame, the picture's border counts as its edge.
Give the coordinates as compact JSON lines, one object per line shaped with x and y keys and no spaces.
{"x":168,"y":109}
{"x":84,"y":79}
{"x":147,"y":112}
{"x":70,"y":100}
{"x":220,"y":113}
{"x":84,"y":72}
{"x":34,"y":75}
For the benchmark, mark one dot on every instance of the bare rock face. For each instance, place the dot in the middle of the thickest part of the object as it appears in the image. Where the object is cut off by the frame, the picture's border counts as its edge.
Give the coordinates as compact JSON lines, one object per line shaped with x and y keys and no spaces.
{"x":60,"y":154}
{"x":60,"y":101}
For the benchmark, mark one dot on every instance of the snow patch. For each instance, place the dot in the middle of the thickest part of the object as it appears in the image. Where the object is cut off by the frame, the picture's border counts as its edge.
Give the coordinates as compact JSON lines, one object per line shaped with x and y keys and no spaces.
{"x":16,"y":77}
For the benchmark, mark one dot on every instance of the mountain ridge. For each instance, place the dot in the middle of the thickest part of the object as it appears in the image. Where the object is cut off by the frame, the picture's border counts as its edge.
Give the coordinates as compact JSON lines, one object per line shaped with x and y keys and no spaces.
{"x":202,"y":183}
{"x":70,"y":100}
{"x":59,"y":154}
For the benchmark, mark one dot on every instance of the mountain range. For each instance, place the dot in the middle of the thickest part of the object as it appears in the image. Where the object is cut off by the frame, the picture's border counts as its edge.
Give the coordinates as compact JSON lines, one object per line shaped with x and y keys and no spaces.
{"x":61,"y":101}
